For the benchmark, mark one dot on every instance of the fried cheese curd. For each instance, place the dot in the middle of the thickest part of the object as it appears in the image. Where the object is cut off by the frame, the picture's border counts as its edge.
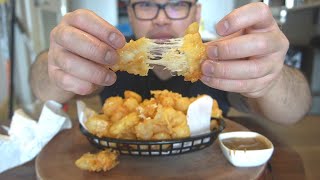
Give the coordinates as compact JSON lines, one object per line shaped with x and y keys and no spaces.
{"x":161,"y":117}
{"x":182,"y":56}
{"x":101,"y":161}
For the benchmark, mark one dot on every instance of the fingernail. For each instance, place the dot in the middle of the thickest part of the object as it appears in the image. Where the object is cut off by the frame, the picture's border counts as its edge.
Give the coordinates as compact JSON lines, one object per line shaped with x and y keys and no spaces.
{"x":107,"y":79}
{"x":212,"y":52}
{"x":208,"y":69}
{"x":110,"y":58}
{"x":110,"y":79}
{"x":116,"y":40}
{"x":223,"y":27}
{"x":205,"y":79}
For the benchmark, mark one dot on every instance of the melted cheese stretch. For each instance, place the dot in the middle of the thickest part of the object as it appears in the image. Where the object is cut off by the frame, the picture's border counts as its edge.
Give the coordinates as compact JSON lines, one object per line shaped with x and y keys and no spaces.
{"x":180,"y":55}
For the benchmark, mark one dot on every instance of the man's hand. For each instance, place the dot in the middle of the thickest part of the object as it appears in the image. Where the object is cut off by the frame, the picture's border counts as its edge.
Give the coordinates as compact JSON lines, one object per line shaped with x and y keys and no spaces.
{"x":249,"y":58}
{"x":80,"y":48}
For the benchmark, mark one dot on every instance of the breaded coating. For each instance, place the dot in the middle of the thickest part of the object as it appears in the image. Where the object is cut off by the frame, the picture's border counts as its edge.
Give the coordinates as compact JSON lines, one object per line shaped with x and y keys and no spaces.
{"x":164,"y":116}
{"x":102,"y":161}
{"x":98,"y":125}
{"x":182,"y":56}
{"x":133,"y":57}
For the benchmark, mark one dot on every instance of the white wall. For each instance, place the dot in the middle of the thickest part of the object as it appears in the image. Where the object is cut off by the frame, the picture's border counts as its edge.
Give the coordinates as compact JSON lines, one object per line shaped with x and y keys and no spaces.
{"x":107,"y":9}
{"x":22,"y":90}
{"x":213,"y":11}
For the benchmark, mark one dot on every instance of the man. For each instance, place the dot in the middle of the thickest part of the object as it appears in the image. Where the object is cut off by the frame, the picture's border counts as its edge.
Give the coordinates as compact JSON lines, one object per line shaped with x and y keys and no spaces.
{"x":247,"y":60}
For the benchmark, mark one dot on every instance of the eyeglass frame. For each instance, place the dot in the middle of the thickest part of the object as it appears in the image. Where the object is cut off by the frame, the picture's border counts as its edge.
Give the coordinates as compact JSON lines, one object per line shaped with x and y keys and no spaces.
{"x":162,"y":7}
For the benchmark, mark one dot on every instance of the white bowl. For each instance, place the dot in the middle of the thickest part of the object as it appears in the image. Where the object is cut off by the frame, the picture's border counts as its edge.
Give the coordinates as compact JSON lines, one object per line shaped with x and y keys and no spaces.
{"x":246,"y":158}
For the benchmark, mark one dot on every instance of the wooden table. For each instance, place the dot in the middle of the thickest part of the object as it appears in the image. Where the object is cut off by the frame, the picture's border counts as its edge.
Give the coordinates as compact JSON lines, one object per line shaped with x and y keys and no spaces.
{"x":284,"y":164}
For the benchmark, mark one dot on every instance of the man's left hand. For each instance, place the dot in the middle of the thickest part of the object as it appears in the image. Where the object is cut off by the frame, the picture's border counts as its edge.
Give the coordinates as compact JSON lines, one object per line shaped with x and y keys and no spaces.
{"x":249,"y":58}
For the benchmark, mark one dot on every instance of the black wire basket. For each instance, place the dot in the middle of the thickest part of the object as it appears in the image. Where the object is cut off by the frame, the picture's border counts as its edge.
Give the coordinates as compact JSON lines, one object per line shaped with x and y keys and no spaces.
{"x":158,"y":147}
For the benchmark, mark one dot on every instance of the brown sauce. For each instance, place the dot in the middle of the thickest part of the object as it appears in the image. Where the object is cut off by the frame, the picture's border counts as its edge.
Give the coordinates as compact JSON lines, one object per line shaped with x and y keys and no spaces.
{"x":250,"y":143}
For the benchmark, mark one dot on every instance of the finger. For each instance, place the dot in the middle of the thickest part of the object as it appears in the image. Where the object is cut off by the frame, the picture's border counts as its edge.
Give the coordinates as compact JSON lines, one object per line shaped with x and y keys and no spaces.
{"x":84,"y":69}
{"x":242,"y":69}
{"x":239,"y":86}
{"x":223,"y":38}
{"x":91,"y":23}
{"x":255,"y":15}
{"x":70,"y":83}
{"x":84,"y":44}
{"x":245,"y":46}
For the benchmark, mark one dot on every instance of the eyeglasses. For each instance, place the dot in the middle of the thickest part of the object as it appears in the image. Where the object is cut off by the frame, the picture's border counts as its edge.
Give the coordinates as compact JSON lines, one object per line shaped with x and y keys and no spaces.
{"x":175,"y":10}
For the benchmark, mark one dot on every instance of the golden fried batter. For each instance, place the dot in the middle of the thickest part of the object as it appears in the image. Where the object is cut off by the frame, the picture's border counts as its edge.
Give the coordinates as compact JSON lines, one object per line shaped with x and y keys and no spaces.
{"x":111,"y":105}
{"x":180,"y":55}
{"x":133,"y":57}
{"x":98,"y":124}
{"x":216,"y":111}
{"x":161,"y":117}
{"x":123,"y":129}
{"x":186,"y":60}
{"x":134,"y":95}
{"x":102,"y":161}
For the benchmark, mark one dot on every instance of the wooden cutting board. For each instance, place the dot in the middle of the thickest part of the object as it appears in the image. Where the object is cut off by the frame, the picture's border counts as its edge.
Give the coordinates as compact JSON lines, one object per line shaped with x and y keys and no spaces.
{"x":56,"y":162}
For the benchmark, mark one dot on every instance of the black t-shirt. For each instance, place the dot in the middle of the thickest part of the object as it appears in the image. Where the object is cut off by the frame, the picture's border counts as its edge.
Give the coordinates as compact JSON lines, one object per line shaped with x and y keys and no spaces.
{"x":144,"y":84}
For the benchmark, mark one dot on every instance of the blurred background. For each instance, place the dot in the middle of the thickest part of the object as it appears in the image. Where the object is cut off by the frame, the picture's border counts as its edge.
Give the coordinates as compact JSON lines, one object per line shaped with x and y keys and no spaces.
{"x":34,"y":19}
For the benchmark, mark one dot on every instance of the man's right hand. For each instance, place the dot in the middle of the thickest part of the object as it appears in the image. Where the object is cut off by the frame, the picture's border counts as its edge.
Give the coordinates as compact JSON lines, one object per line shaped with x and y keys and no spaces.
{"x":81,"y":47}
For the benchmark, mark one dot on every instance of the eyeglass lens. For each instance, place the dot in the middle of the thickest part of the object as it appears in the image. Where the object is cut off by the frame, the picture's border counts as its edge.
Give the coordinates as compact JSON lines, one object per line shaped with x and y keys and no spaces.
{"x":174,"y":10}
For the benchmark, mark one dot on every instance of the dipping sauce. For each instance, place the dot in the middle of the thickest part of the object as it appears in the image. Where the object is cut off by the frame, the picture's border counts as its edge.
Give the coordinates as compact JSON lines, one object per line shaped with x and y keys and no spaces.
{"x":245,"y":143}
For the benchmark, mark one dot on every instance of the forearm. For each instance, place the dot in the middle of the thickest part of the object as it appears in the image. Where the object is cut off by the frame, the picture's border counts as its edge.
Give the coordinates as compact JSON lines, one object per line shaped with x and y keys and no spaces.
{"x":43,"y":88}
{"x":288,"y":100}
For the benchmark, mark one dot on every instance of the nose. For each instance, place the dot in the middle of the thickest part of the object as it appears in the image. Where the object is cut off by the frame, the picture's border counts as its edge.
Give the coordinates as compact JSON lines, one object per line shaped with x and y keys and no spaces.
{"x":162,"y":18}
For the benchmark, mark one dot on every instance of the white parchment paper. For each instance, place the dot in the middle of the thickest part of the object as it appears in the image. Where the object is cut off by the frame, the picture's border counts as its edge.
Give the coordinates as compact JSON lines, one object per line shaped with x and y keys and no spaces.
{"x":26,"y":137}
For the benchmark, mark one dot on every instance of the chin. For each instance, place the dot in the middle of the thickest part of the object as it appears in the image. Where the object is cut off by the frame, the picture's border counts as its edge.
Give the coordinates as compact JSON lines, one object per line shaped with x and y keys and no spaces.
{"x":162,"y":37}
